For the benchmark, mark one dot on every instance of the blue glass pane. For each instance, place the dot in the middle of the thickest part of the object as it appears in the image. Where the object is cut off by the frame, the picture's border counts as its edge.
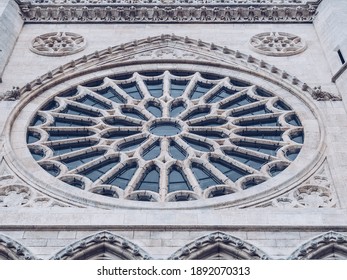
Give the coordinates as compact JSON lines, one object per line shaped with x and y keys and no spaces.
{"x":293,"y":120}
{"x":275,"y":170}
{"x":119,"y":134}
{"x":298,"y":137}
{"x":132,"y":90}
{"x":155,"y":110}
{"x":199,"y":90}
{"x":60,"y":135}
{"x":265,"y":149}
{"x":260,"y":122}
{"x":239,"y":83}
{"x":282,"y":106}
{"x":263,"y":92}
{"x":232,"y":172}
{"x":111,"y":94}
{"x":67,"y":148}
{"x":37,"y":154}
{"x":70,"y":122}
{"x":80,"y":112}
{"x":72,"y":163}
{"x":198,"y":112}
{"x":152,"y":151}
{"x":253,"y":162}
{"x":177,"y":152}
{"x":210,"y":122}
{"x":69,"y":93}
{"x":176,"y":110}
{"x":220,"y":95}
{"x":204,"y":177}
{"x":241,"y":101}
{"x":123,"y":176}
{"x":50,"y":105}
{"x":75,"y":183}
{"x":292,"y":155}
{"x":155,"y":88}
{"x":95,"y":83}
{"x":151,"y":73}
{"x":131,"y":145}
{"x":93,"y":102}
{"x":53,"y":170}
{"x":33,"y":137}
{"x":38,"y":120}
{"x":268,"y":135}
{"x":132,"y":113}
{"x":251,"y":183}
{"x":177,"y":88}
{"x":252,"y":112}
{"x":210,"y":76}
{"x":197,"y":145}
{"x":210,"y":134}
{"x":177,"y":181}
{"x":95,"y":172}
{"x":120,"y":122}
{"x":165,"y":129}
{"x":150,"y":181}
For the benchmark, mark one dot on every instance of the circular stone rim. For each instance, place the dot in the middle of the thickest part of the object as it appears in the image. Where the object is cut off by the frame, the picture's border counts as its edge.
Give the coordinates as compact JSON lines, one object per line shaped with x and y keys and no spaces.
{"x":60,"y":190}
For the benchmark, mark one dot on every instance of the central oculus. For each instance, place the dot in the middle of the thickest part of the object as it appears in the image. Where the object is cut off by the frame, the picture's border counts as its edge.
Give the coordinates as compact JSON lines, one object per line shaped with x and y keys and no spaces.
{"x":165,"y":128}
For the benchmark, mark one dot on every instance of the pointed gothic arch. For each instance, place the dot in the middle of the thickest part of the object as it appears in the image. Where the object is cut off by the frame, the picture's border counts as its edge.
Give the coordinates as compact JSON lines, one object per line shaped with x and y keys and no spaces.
{"x":13,"y":250}
{"x":219,"y":245}
{"x":330,"y":245}
{"x":103,"y":245}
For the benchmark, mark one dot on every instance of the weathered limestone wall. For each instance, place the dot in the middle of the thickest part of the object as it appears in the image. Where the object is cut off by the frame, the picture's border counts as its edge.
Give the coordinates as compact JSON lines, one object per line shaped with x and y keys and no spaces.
{"x":331,"y":29}
{"x":10,"y":26}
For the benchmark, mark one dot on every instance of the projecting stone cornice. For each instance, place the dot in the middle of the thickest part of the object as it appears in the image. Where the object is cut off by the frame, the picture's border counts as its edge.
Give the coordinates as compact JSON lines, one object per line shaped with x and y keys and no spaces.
{"x":168,"y":11}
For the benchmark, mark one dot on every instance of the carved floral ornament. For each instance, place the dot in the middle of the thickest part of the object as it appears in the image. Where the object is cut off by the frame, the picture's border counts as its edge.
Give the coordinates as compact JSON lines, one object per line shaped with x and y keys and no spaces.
{"x":58,"y":44}
{"x":277,"y":44}
{"x":141,"y":104}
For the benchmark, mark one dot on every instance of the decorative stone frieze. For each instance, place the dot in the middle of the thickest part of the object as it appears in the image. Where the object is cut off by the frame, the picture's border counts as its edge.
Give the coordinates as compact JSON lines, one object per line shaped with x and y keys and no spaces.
{"x":329,"y":246}
{"x":102,"y":246}
{"x":58,"y":44}
{"x":177,"y":11}
{"x":219,"y":245}
{"x":277,"y":44}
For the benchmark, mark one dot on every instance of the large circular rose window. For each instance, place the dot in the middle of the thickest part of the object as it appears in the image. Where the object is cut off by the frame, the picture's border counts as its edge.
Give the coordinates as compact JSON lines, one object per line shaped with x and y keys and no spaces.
{"x":165,"y":136}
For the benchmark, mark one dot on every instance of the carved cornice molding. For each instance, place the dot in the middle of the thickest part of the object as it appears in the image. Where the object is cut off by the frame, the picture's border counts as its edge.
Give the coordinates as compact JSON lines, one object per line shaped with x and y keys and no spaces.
{"x":222,"y":244}
{"x":168,"y":11}
{"x":322,"y":247}
{"x":108,"y":244}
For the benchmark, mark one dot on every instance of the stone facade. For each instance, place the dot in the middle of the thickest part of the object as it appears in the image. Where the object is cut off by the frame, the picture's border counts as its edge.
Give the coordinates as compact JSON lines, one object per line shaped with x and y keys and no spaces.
{"x":282,"y":194}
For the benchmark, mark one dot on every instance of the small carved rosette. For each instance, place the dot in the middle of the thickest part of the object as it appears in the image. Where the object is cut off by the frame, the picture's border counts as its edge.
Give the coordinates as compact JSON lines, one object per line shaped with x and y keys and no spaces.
{"x":58,"y":44}
{"x":277,"y":44}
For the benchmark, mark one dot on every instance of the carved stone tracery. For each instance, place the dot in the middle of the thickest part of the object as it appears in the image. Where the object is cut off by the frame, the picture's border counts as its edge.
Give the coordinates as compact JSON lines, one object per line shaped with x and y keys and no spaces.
{"x":58,"y":44}
{"x":315,"y":192}
{"x":277,"y":44}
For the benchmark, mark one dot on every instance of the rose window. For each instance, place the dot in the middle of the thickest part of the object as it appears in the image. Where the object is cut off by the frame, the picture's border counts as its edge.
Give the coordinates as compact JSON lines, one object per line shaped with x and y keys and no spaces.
{"x":165,"y":136}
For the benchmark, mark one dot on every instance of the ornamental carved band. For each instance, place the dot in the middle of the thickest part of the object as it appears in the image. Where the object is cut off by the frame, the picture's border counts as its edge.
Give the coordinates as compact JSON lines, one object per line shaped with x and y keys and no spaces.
{"x":277,"y":44}
{"x":162,"y":11}
{"x":58,"y":44}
